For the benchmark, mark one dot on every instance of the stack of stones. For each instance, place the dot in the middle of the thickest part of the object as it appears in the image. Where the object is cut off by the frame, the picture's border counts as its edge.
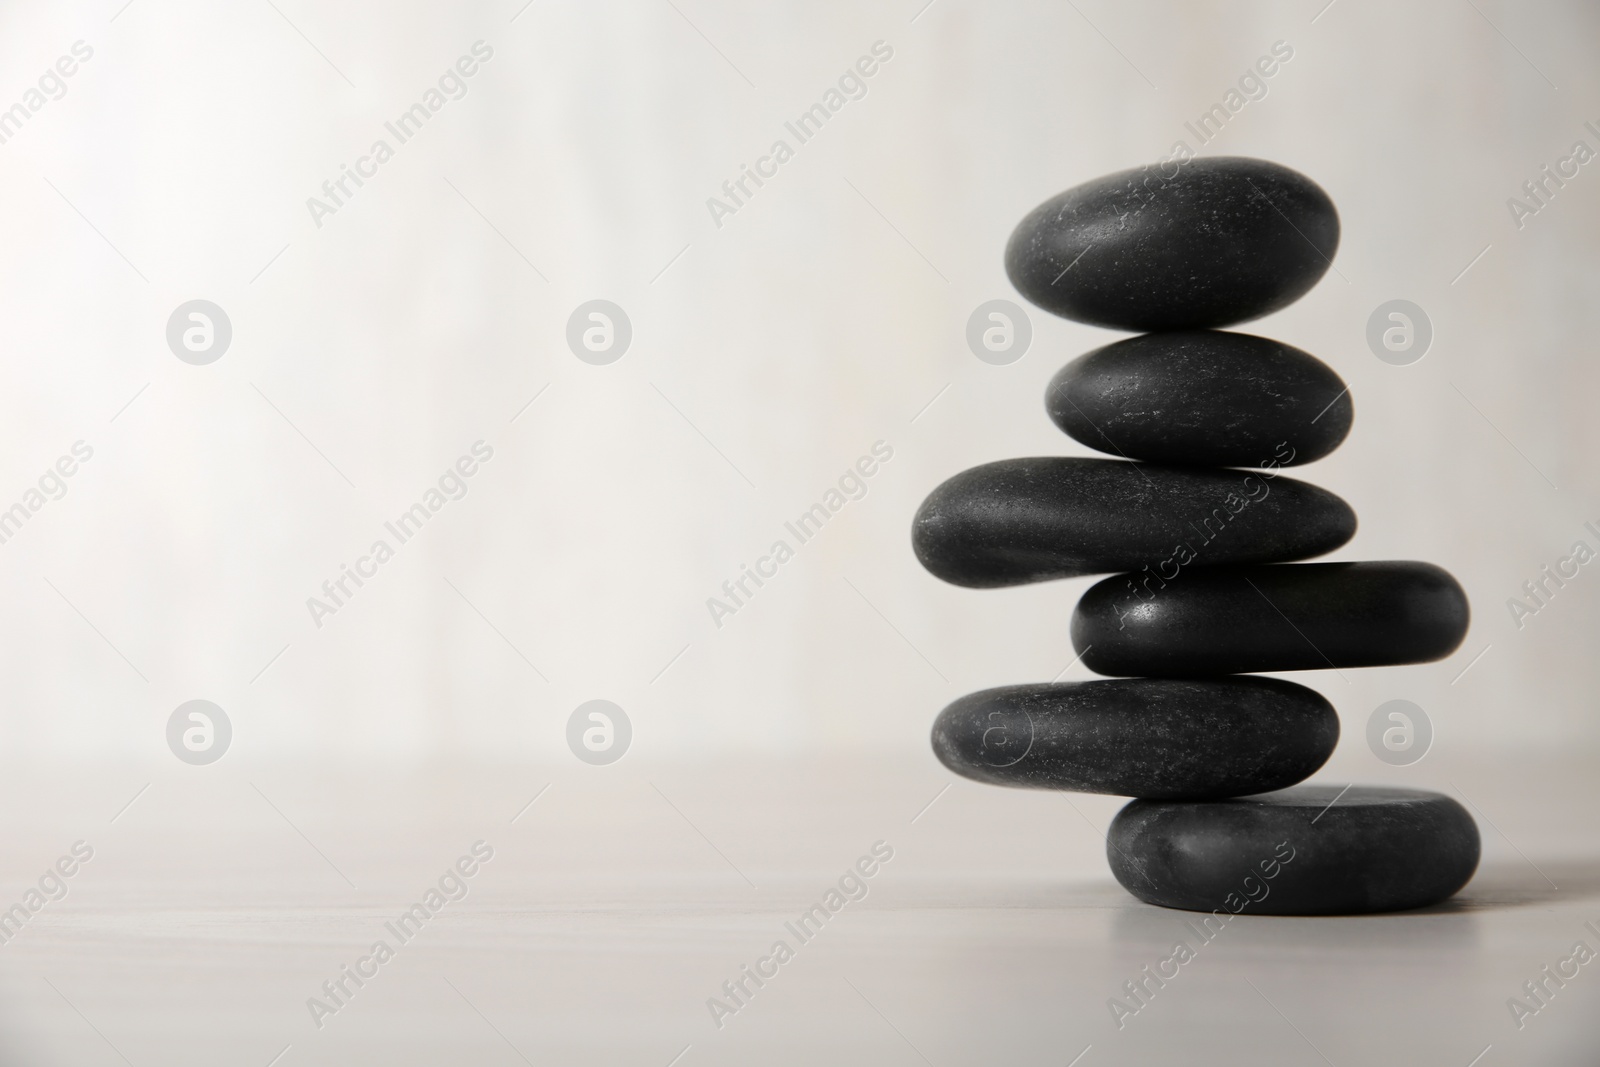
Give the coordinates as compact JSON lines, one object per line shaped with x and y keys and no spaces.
{"x":1202,"y":527}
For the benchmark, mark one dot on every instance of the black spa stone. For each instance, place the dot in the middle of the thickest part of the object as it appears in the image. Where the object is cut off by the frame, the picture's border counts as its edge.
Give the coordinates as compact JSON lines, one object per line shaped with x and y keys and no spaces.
{"x":1176,"y":246}
{"x":1140,"y":737}
{"x":1031,"y":520}
{"x":1309,"y":850}
{"x":1202,"y":396}
{"x":1297,"y":617}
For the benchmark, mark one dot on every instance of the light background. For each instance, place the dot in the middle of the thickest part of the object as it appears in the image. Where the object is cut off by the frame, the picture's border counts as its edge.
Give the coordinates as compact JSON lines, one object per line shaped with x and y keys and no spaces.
{"x":767,"y":355}
{"x":819,"y":319}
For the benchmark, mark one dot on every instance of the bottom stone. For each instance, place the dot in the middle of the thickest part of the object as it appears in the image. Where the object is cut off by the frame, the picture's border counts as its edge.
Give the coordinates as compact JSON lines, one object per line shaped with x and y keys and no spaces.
{"x":1307,"y":850}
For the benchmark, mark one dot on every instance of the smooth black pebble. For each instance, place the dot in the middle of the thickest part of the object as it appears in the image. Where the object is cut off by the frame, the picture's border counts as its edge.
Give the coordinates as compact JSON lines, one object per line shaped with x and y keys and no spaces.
{"x":1031,"y":520}
{"x":1177,"y":246}
{"x":1298,"y":617}
{"x":1309,"y":850}
{"x":1202,"y":396}
{"x":1141,"y":737}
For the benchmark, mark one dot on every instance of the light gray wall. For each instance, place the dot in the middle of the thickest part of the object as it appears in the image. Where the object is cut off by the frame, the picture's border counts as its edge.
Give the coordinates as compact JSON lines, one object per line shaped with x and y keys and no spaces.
{"x":822,"y":317}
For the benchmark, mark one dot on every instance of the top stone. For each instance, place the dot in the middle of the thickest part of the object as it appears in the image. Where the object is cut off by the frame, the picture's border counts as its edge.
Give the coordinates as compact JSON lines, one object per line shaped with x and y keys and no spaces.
{"x":1176,"y":246}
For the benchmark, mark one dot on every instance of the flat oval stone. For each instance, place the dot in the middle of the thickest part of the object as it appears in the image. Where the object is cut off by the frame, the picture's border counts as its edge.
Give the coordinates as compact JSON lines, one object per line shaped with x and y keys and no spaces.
{"x":1141,"y":737}
{"x":1309,"y":850}
{"x":1299,"y":617}
{"x":1031,"y":520}
{"x":1176,"y":246}
{"x":1202,"y":396}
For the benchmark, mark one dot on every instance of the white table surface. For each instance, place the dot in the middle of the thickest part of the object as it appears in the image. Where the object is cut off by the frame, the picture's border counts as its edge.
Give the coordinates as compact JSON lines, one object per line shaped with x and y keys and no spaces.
{"x":614,"y":906}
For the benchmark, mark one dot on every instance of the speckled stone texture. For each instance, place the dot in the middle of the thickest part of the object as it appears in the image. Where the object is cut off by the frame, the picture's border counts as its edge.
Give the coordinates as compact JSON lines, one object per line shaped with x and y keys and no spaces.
{"x":1196,"y":512}
{"x":1295,"y":617}
{"x":1030,"y":520}
{"x":1141,"y":737}
{"x":1309,"y":850}
{"x":1203,"y":397}
{"x":1176,"y":246}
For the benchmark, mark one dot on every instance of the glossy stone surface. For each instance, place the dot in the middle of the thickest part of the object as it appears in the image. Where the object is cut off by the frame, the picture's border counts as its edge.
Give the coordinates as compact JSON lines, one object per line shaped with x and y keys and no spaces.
{"x":1140,"y":737}
{"x":1030,"y":520}
{"x":1309,"y":850}
{"x":1177,"y":246}
{"x":1205,"y":397}
{"x":1297,"y":617}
